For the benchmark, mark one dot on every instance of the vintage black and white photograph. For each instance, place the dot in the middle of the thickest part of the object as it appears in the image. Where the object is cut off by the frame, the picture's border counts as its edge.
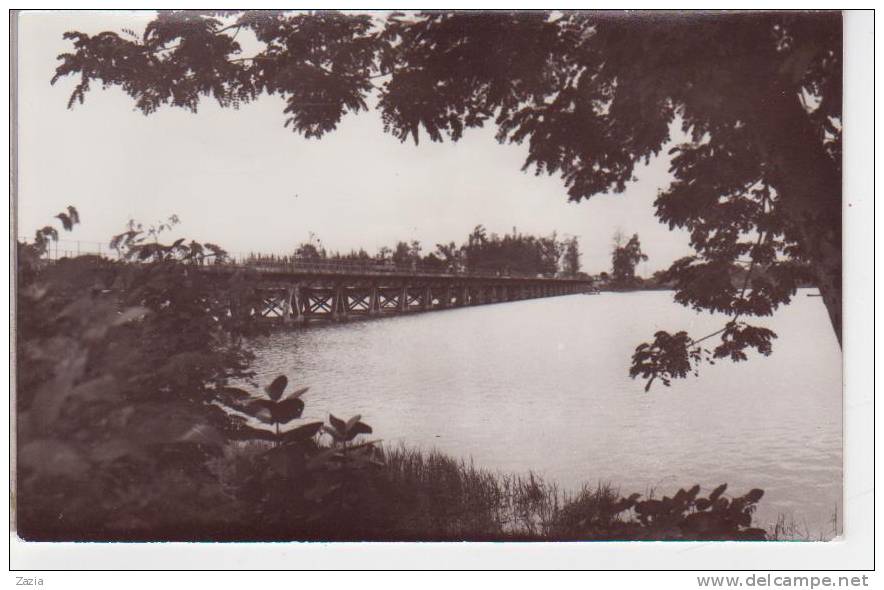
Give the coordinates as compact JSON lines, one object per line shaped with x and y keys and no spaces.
{"x":427,"y":276}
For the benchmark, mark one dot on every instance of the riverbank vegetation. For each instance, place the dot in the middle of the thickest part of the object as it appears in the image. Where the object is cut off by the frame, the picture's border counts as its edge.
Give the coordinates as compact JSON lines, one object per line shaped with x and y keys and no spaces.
{"x":128,"y":428}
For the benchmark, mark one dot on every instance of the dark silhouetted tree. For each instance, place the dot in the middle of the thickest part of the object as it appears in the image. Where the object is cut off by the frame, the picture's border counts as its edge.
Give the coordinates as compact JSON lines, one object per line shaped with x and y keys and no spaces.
{"x":312,"y":249}
{"x":406,"y":254}
{"x":452,"y":256}
{"x":624,"y":259}
{"x":571,"y":257}
{"x":384,"y":254}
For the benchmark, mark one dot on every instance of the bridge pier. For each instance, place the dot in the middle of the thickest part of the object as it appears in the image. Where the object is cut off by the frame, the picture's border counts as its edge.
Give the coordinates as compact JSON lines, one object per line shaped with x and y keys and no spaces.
{"x":403,"y":299}
{"x":373,"y":300}
{"x":297,"y":305}
{"x":339,"y":308}
{"x":287,"y":306}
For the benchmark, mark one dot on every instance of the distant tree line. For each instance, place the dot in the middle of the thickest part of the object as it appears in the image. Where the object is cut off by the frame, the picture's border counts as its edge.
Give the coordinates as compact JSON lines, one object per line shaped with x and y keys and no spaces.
{"x":481,"y":252}
{"x":627,"y":254}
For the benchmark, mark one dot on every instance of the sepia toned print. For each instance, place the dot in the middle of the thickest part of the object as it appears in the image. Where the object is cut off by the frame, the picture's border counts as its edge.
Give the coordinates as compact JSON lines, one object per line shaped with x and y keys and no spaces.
{"x":445,"y":276}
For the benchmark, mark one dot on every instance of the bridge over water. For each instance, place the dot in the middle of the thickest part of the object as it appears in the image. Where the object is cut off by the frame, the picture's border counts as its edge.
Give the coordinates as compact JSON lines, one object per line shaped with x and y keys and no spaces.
{"x":299,"y":291}
{"x":295,"y":291}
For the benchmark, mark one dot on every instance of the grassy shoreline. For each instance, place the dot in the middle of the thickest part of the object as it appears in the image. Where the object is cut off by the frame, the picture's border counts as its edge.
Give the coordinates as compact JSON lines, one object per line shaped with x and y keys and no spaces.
{"x":418,"y":495}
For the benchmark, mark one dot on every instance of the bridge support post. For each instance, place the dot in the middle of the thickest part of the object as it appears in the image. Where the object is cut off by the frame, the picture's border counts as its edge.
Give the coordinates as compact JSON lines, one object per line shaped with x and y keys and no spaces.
{"x":403,"y":299}
{"x":427,"y":298}
{"x":373,"y":299}
{"x":339,"y":305}
{"x":446,"y":296}
{"x":297,"y":305}
{"x":287,"y":306}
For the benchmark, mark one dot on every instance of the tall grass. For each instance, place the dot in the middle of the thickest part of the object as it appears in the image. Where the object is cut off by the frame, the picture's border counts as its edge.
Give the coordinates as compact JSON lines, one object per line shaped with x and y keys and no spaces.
{"x":439,"y":497}
{"x":787,"y":528}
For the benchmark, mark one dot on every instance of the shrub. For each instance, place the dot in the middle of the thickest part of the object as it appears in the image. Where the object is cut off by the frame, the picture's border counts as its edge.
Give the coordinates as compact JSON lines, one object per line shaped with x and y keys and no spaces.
{"x":117,"y":368}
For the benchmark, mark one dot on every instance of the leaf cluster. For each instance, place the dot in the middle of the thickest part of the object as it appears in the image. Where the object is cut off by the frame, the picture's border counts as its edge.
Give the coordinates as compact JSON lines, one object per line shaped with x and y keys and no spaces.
{"x":686,"y":516}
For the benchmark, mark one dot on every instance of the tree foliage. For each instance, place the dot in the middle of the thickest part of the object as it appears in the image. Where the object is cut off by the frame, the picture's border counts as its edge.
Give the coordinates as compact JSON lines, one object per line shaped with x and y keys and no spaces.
{"x":118,"y":365}
{"x":758,"y":95}
{"x":571,"y":257}
{"x":624,"y":259}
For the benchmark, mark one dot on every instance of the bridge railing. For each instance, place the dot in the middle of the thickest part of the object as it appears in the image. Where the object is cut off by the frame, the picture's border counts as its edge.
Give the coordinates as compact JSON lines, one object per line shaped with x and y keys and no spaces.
{"x":269,"y":263}
{"x":369,"y":267}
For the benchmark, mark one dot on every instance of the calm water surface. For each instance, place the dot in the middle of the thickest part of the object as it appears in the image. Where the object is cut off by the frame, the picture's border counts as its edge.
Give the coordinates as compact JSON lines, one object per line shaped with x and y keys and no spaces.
{"x":543,"y":385}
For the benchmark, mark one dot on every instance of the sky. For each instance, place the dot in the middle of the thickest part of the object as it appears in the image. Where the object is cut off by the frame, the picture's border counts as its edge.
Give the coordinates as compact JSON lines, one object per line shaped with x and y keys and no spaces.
{"x":238,"y":178}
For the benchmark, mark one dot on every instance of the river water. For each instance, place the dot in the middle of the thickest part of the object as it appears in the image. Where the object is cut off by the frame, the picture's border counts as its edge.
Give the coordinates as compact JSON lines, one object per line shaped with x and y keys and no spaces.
{"x":543,"y":386}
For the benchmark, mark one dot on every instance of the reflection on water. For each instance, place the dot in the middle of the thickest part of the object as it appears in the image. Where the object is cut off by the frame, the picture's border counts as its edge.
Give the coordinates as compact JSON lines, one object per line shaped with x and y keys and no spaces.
{"x":543,"y":385}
